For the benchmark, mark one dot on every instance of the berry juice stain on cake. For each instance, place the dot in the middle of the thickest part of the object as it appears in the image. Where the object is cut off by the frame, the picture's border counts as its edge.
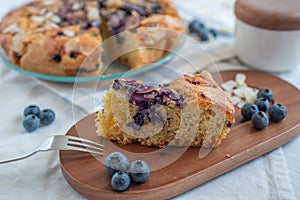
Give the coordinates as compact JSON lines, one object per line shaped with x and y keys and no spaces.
{"x":147,"y":100}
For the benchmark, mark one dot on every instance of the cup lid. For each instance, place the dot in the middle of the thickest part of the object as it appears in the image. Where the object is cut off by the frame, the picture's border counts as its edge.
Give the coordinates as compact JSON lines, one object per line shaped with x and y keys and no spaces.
{"x":269,"y":14}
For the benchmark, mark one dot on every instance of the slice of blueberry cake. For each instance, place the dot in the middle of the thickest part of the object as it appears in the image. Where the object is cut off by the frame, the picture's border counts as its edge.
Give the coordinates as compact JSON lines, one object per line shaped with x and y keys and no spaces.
{"x":55,"y":36}
{"x":189,"y":111}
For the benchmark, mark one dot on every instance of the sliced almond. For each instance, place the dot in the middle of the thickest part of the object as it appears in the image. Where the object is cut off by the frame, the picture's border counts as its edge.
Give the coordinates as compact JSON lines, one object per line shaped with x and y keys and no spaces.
{"x":38,"y":19}
{"x":43,"y":12}
{"x":49,"y":14}
{"x":76,"y":6}
{"x":250,"y":95}
{"x":56,"y":19}
{"x":93,"y":13}
{"x":240,"y":78}
{"x":229,"y":85}
{"x":240,"y":92}
{"x":50,"y":25}
{"x":12,"y":28}
{"x":235,"y":100}
{"x":69,"y":33}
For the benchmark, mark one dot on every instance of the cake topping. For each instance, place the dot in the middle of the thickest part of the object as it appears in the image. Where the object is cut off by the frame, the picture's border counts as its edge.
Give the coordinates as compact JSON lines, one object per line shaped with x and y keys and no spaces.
{"x":128,"y":15}
{"x":139,"y":119}
{"x":141,"y":93}
{"x":148,"y":99}
{"x":56,"y":58}
{"x":73,"y":55}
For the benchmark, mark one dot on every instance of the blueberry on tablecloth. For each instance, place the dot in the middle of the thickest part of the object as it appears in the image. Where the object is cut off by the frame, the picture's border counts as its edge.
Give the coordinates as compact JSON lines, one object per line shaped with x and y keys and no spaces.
{"x":31,"y":122}
{"x":31,"y":109}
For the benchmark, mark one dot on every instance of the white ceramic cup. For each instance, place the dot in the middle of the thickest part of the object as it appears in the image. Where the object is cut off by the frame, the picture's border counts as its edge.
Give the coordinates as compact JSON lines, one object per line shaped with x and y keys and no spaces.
{"x":267,"y":50}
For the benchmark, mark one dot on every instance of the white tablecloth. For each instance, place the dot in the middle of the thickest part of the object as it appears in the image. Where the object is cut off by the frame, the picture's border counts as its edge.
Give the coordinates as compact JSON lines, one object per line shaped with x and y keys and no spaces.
{"x":275,"y":175}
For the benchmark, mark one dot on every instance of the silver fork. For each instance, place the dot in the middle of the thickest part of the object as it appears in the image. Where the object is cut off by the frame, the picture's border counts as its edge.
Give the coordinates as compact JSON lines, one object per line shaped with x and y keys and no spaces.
{"x":63,"y":142}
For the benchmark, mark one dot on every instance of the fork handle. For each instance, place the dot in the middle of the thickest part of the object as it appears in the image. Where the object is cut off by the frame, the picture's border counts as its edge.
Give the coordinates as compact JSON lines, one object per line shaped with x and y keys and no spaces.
{"x":18,"y":158}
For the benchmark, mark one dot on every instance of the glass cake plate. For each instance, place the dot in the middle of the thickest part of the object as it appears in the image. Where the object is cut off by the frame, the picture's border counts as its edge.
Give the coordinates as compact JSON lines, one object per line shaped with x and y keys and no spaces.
{"x":115,"y":70}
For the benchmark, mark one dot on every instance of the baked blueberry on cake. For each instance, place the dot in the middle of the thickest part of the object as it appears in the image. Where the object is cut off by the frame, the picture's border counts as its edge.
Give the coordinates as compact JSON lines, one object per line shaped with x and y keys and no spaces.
{"x":189,"y":111}
{"x":55,"y":36}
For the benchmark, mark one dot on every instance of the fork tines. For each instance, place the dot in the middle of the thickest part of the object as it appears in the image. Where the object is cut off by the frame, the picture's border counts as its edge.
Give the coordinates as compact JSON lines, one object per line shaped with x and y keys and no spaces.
{"x":86,"y":145}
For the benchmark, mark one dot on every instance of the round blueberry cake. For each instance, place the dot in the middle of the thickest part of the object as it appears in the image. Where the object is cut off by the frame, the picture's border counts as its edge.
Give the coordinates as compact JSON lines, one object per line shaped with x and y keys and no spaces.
{"x":190,"y":111}
{"x":55,"y":36}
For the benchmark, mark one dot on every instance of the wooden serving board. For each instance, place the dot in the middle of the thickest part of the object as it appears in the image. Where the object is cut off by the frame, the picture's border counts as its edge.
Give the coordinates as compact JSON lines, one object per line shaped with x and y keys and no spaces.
{"x":86,"y":173}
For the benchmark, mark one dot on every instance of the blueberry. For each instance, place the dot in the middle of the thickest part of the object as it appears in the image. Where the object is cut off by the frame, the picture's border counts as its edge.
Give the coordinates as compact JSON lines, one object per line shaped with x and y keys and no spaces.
{"x":47,"y":116}
{"x":31,"y":122}
{"x":203,"y":34}
{"x":32,"y":109}
{"x":139,"y":119}
{"x":195,"y":26}
{"x":56,"y":58}
{"x":120,"y":181}
{"x":265,"y":93}
{"x":73,"y":54}
{"x":260,"y":120}
{"x":214,"y":32}
{"x":248,"y":110}
{"x":115,"y":162}
{"x":139,"y":171}
{"x":262,"y":103}
{"x":277,"y":112}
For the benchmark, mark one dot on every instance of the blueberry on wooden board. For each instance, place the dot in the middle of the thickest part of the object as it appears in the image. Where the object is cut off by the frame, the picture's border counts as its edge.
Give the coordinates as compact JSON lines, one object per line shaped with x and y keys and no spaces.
{"x":248,"y":110}
{"x":139,"y":171}
{"x":260,"y":120}
{"x":277,"y":112}
{"x":120,"y":181}
{"x":115,"y":162}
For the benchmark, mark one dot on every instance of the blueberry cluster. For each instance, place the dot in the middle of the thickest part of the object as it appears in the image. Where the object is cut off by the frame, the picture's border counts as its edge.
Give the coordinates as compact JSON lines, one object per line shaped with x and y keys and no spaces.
{"x":34,"y":117}
{"x":199,"y":29}
{"x":129,"y":14}
{"x":145,"y":96}
{"x":117,"y":165}
{"x":257,"y":111}
{"x":143,"y":93}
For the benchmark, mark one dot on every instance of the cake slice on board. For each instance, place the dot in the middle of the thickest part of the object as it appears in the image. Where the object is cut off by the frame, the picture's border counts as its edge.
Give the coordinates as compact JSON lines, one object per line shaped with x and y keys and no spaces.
{"x":189,"y":111}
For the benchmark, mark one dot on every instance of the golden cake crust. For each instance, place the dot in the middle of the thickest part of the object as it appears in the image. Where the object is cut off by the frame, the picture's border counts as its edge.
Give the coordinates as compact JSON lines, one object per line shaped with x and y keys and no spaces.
{"x":34,"y":39}
{"x":54,"y":37}
{"x":206,"y":90}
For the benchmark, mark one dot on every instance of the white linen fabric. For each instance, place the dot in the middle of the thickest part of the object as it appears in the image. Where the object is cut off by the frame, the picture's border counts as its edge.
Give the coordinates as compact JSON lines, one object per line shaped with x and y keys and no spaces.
{"x":274,"y":176}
